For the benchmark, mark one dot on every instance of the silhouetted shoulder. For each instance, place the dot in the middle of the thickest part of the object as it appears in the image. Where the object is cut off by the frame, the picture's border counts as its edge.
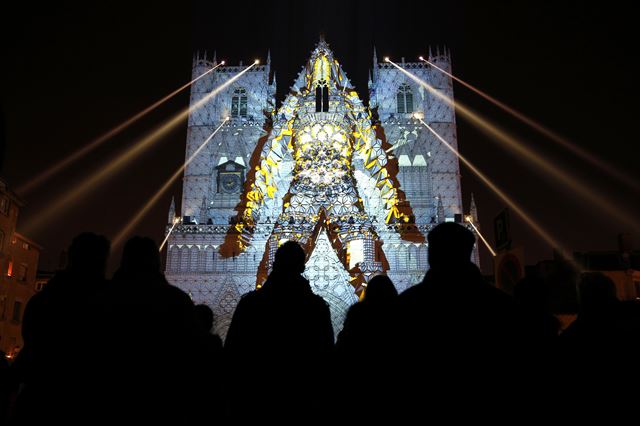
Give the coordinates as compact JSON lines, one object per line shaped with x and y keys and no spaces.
{"x":179,"y":295}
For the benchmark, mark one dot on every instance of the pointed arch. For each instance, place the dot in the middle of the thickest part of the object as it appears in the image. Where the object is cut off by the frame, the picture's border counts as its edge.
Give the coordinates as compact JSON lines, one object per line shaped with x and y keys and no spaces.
{"x":239,"y":103}
{"x":404,"y":98}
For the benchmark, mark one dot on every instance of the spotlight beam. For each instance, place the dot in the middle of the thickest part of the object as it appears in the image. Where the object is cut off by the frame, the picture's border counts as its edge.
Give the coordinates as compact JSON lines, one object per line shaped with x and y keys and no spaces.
{"x":56,"y":168}
{"x":517,"y":147}
{"x":586,"y":156}
{"x":176,"y":220}
{"x":499,"y":192}
{"x":72,"y":196}
{"x":167,"y":184}
{"x":493,"y":253}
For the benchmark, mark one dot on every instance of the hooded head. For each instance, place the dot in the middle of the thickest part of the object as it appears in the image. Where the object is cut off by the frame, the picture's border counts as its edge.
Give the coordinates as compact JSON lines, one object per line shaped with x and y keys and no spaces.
{"x":289,"y":259}
{"x":450,"y":245}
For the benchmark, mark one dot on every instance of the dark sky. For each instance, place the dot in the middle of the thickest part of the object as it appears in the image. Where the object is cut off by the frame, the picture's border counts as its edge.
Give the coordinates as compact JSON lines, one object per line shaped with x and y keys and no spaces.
{"x":71,"y":71}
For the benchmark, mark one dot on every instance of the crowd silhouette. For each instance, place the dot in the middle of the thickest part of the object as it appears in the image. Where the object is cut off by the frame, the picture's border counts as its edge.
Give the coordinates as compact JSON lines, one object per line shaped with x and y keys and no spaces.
{"x":134,"y":348}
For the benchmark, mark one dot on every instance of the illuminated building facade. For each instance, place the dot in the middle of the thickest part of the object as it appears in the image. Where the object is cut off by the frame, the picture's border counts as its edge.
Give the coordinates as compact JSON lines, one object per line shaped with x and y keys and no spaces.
{"x":359,"y":187}
{"x":18,"y":267}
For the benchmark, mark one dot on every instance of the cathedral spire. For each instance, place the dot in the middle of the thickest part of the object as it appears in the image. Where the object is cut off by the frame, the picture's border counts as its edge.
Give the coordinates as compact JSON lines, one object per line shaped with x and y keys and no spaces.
{"x":215,"y":58}
{"x":172,"y":210}
{"x":268,"y":57}
{"x":440,"y":211}
{"x":203,"y":212}
{"x":430,"y":53}
{"x":375,"y":65}
{"x":473,"y":210}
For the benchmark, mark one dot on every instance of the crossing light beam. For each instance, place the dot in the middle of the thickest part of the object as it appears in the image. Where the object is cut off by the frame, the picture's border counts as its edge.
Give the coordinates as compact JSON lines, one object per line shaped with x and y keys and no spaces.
{"x":486,"y":243}
{"x":499,"y":192}
{"x":550,"y":134}
{"x":70,"y":159}
{"x":72,"y":196}
{"x":167,"y":184}
{"x":176,"y":220}
{"x":542,"y":164}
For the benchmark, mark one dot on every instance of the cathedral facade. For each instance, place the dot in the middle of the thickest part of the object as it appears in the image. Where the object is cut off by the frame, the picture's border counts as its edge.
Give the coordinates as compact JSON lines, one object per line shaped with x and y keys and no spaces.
{"x":358,"y":186}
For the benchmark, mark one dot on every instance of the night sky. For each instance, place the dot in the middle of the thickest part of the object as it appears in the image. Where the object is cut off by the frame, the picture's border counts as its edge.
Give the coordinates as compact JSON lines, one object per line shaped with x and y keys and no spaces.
{"x":72,"y":71}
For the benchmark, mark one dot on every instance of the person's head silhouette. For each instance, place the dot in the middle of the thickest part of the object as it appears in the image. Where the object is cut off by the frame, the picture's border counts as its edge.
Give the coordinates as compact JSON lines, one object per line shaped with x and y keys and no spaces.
{"x":596,"y":292}
{"x":289,"y":259}
{"x":532,"y":293}
{"x":140,"y":256}
{"x":88,"y":254}
{"x":380,"y":289}
{"x":450,"y":244}
{"x":204,"y":317}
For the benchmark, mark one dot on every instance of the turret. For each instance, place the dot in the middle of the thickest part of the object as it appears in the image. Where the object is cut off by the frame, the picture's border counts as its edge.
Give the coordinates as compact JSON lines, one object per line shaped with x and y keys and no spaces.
{"x":172,"y":211}
{"x":473,"y":210}
{"x":440,"y":211}
{"x":203,"y":212}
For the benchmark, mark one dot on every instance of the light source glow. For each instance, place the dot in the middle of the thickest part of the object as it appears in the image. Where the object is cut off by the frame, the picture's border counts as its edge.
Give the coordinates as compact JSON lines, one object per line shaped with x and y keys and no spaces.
{"x":74,"y":195}
{"x":486,"y":243}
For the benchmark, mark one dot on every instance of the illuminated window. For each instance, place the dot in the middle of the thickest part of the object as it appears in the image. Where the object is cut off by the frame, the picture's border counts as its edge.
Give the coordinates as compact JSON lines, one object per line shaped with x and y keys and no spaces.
{"x":22,"y":272}
{"x":239,"y":103}
{"x":10,"y":268}
{"x":355,"y":252}
{"x":17,"y":311}
{"x":405,"y":99}
{"x":322,"y":97}
{"x":4,"y":205}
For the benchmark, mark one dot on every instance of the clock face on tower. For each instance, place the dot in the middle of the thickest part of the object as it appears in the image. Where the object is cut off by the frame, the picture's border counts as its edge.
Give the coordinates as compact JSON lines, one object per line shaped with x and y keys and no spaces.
{"x":230,"y":182}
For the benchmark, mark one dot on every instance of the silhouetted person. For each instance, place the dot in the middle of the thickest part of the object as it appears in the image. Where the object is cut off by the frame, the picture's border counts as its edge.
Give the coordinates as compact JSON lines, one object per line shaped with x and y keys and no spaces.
{"x":455,"y":332}
{"x":365,"y":345}
{"x":211,"y":377}
{"x":205,"y":319}
{"x":538,"y":327}
{"x":280,"y":341}
{"x":597,"y":320}
{"x":151,"y":342}
{"x":368,"y":326}
{"x":597,"y":345}
{"x":56,"y":364}
{"x":6,"y":388}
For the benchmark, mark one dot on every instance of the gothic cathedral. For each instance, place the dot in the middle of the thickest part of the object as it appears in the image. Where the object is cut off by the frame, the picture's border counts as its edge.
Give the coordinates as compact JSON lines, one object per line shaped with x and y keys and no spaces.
{"x":358,"y":187}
